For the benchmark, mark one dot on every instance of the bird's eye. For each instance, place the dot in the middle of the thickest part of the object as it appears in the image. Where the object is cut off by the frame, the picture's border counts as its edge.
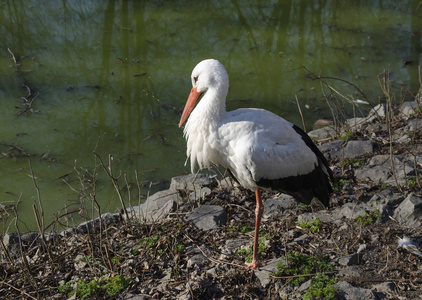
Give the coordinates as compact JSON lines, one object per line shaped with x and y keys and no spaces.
{"x":195,"y":79}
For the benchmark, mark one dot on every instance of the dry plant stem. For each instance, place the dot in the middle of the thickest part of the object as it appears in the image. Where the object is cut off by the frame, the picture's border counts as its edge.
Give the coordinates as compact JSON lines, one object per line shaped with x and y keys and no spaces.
{"x":25,"y":260}
{"x":19,"y":290}
{"x":114,"y":180}
{"x":6,"y":252}
{"x":13,"y":56}
{"x":335,"y":117}
{"x":40,"y":220}
{"x":138,"y":185}
{"x":38,"y":194}
{"x":385,"y":87}
{"x":300,"y":112}
{"x":41,"y":230}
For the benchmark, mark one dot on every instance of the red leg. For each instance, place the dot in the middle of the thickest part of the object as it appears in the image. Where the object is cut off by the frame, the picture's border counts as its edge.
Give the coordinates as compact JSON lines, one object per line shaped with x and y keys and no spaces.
{"x":258,"y":215}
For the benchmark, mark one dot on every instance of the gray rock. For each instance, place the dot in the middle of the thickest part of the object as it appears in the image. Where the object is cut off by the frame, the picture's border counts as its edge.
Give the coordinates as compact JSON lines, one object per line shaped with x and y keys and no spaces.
{"x":93,"y":226}
{"x":333,"y":150}
{"x":218,"y":270}
{"x":377,"y":128}
{"x":286,"y":291}
{"x":189,"y":182}
{"x":387,"y":197}
{"x":374,"y":173}
{"x":385,"y":287}
{"x":380,"y":169}
{"x":378,"y":111}
{"x":309,"y":217}
{"x":207,"y":217}
{"x":196,"y":257}
{"x":351,"y":210}
{"x":264,"y":272}
{"x":322,"y":133}
{"x":354,"y":123}
{"x":358,"y":148}
{"x":409,"y":212}
{"x":350,"y":260}
{"x":348,"y":292}
{"x":11,"y":242}
{"x":304,"y":238}
{"x":156,"y":207}
{"x":408,"y":108}
{"x":304,"y":286}
{"x":232,"y":246}
{"x":275,"y":206}
{"x":350,"y":272}
{"x":199,"y":194}
{"x":414,"y":125}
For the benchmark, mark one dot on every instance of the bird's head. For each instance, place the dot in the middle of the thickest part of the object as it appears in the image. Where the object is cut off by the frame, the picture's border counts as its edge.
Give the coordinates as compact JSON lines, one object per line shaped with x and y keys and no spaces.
{"x":209,"y":74}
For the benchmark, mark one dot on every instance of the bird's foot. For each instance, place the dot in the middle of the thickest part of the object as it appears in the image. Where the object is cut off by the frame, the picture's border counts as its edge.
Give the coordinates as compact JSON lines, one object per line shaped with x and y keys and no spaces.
{"x":254,"y":264}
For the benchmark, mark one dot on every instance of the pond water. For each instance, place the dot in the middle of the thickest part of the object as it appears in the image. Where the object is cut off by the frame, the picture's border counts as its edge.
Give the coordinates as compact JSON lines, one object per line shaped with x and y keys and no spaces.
{"x":112,"y":77}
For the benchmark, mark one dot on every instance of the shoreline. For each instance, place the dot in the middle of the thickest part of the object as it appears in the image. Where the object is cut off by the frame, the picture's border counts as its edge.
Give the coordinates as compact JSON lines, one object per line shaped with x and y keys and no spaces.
{"x":186,"y":242}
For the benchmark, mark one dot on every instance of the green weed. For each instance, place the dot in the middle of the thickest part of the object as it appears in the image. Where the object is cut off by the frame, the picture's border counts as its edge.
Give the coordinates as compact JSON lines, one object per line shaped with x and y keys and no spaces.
{"x":149,"y":241}
{"x":352,"y":162}
{"x":368,"y":218}
{"x":313,"y":225}
{"x":111,"y":285}
{"x":247,"y":252}
{"x":321,"y":288}
{"x":346,"y":136}
{"x":302,"y":268}
{"x":245,"y":229}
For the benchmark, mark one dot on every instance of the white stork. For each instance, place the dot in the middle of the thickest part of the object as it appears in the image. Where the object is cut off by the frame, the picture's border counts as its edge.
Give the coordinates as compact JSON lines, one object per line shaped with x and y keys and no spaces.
{"x":259,"y":148}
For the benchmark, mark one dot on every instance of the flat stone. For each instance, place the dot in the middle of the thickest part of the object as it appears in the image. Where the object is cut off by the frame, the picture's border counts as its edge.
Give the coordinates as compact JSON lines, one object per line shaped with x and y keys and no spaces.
{"x":322,"y":133}
{"x":385,"y":287}
{"x":232,"y":246}
{"x":378,"y":111}
{"x":350,"y":272}
{"x":378,"y":174}
{"x":11,"y":241}
{"x":333,"y":150}
{"x":276,"y":206}
{"x":387,"y":197}
{"x":94,"y":226}
{"x":347,"y":291}
{"x":309,"y":217}
{"x":189,"y":182}
{"x":408,"y":108}
{"x":269,"y":269}
{"x":358,"y":148}
{"x":354,"y":123}
{"x":199,"y":194}
{"x":379,"y":169}
{"x":196,"y":257}
{"x":351,"y":210}
{"x":409,"y":212}
{"x":157,"y":206}
{"x":207,"y":217}
{"x":351,"y":260}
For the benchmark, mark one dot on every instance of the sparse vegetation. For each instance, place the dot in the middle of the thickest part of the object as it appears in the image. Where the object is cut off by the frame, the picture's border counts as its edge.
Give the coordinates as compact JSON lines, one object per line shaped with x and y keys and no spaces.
{"x":84,"y":289}
{"x":313,"y":225}
{"x":247,"y":252}
{"x":301,"y":268}
{"x":368,"y":218}
{"x":346,"y":136}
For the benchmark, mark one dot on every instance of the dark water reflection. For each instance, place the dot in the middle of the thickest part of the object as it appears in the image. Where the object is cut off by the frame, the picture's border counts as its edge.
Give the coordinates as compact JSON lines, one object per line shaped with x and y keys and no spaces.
{"x":113,"y":76}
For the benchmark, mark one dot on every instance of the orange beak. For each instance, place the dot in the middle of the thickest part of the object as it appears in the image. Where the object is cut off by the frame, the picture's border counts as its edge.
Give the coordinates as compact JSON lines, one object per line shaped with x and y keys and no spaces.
{"x":190,"y":104}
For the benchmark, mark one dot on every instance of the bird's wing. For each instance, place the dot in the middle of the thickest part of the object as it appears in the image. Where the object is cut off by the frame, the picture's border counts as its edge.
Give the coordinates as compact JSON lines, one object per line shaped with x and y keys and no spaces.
{"x":265,"y":145}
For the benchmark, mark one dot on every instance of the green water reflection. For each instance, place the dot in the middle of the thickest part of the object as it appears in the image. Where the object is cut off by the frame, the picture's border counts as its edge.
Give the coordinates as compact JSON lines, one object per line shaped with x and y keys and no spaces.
{"x":113,"y":76}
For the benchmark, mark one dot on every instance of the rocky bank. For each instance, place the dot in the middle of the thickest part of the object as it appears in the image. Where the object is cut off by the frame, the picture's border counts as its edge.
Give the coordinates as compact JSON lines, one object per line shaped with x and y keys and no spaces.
{"x":186,"y":242}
